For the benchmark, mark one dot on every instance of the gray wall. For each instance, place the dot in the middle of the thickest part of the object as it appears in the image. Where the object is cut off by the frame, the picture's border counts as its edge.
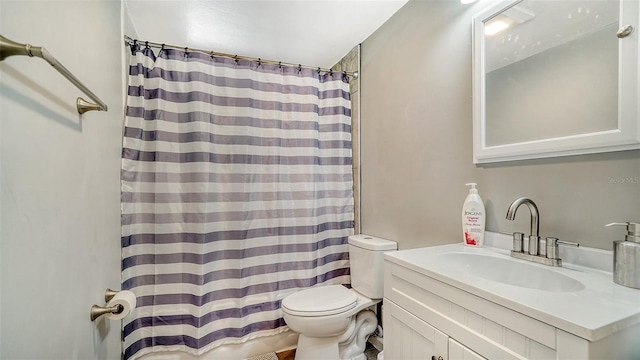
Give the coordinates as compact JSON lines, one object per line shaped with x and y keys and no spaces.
{"x":60,"y":177}
{"x":417,"y":146}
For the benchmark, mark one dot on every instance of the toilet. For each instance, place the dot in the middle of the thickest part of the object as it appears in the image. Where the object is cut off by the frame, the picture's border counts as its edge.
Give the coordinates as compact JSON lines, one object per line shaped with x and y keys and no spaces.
{"x":334,"y":322}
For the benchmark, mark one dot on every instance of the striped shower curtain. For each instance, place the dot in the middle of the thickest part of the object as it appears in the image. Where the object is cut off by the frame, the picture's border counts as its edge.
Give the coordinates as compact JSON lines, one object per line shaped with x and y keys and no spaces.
{"x":236,"y":191}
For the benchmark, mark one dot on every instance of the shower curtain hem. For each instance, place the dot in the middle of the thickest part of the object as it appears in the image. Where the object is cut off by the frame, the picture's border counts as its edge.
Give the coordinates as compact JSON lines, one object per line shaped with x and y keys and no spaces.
{"x":206,"y":349}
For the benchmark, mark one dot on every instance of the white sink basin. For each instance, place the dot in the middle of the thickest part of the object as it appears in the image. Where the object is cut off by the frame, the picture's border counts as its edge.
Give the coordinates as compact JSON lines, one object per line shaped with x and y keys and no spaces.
{"x":581,"y":300}
{"x":512,"y":272}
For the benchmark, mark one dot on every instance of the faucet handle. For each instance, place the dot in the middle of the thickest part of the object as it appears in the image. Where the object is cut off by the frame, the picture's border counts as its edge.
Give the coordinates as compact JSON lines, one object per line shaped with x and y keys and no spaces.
{"x":518,"y":241}
{"x":568,"y":243}
{"x":552,"y":246}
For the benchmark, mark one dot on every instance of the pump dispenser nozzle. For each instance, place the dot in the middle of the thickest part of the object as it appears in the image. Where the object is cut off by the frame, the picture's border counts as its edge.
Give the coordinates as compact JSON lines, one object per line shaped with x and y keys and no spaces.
{"x":633,"y":230}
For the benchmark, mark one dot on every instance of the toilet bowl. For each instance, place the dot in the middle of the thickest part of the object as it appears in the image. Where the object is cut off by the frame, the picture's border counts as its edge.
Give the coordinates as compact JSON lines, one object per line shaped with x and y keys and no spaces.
{"x":333,"y":322}
{"x":326,"y":317}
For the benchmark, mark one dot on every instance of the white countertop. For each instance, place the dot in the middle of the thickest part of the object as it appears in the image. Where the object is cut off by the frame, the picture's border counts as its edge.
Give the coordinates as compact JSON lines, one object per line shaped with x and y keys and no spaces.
{"x":597,"y":311}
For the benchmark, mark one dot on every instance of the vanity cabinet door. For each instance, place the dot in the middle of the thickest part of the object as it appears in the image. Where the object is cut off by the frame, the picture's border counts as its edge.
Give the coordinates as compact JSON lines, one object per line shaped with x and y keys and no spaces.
{"x":406,"y":337}
{"x":458,"y":351}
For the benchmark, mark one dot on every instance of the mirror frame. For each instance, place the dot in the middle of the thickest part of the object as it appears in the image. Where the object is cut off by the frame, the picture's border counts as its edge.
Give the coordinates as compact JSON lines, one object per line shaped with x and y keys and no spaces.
{"x":625,"y":137}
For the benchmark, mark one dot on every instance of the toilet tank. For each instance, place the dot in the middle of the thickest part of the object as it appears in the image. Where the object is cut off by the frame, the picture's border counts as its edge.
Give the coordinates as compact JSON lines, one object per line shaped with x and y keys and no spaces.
{"x":367,"y":264}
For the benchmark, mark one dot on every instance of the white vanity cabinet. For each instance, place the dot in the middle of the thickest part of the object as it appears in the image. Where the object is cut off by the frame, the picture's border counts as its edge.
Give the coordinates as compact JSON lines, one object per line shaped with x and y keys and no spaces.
{"x":461,"y":352}
{"x":426,"y":318}
{"x":411,"y":338}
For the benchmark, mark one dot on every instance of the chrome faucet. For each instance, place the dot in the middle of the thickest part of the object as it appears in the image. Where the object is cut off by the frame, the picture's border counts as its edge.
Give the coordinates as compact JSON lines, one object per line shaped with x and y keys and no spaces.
{"x":543,"y":251}
{"x":534,"y":239}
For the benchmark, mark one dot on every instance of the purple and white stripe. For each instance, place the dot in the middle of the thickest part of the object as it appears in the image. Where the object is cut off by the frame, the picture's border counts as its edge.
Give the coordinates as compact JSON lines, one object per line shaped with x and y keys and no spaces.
{"x":237,"y":190}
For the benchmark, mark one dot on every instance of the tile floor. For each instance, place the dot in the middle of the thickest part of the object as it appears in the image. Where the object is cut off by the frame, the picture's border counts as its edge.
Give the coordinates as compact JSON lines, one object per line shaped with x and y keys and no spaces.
{"x":370,"y":352}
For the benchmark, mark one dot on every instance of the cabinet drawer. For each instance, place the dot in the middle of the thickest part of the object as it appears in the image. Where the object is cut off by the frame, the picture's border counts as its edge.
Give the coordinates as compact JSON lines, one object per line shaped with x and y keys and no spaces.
{"x":458,"y":351}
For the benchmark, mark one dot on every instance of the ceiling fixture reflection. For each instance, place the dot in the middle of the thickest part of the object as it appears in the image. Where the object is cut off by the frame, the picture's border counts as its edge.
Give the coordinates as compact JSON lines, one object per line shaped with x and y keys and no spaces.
{"x":515,"y":15}
{"x":495,"y":27}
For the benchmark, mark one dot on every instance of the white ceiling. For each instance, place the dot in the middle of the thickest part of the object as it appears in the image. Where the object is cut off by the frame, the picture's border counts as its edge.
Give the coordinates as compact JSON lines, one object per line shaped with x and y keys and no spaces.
{"x":315,"y":33}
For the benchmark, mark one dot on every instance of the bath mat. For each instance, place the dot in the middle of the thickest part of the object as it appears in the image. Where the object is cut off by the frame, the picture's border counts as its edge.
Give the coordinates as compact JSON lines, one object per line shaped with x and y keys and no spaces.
{"x":267,"y":356}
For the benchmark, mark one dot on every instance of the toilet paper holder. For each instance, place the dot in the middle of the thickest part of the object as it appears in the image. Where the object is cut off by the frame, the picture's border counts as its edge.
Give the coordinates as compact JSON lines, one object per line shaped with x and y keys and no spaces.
{"x":97,"y":311}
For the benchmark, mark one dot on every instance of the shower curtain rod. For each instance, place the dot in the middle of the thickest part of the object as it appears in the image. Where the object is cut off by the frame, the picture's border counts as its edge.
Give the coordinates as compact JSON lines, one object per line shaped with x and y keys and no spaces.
{"x":130,"y":41}
{"x":10,"y":48}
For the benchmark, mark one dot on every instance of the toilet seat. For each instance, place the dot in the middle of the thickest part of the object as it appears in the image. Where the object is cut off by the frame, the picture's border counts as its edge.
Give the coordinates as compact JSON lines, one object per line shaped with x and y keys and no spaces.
{"x":320,"y":301}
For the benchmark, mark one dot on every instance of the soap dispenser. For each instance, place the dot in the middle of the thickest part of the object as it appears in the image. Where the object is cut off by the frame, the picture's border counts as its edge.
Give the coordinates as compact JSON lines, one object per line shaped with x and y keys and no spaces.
{"x":473,"y":218}
{"x":626,"y":256}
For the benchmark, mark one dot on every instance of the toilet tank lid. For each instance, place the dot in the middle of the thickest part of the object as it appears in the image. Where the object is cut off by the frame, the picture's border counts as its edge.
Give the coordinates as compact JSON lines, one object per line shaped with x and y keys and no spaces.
{"x":372,"y":243}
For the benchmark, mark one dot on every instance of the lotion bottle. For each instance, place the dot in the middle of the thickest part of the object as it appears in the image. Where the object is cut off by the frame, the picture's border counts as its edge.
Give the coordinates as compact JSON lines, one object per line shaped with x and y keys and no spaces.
{"x":473,"y":218}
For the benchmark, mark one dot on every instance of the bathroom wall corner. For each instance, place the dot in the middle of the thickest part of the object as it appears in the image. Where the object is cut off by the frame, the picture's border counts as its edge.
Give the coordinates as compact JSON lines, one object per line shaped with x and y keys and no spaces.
{"x":351,"y":63}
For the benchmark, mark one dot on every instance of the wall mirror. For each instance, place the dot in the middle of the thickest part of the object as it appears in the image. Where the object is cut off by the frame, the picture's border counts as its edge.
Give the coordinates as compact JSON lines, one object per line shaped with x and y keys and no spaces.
{"x":555,"y":78}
